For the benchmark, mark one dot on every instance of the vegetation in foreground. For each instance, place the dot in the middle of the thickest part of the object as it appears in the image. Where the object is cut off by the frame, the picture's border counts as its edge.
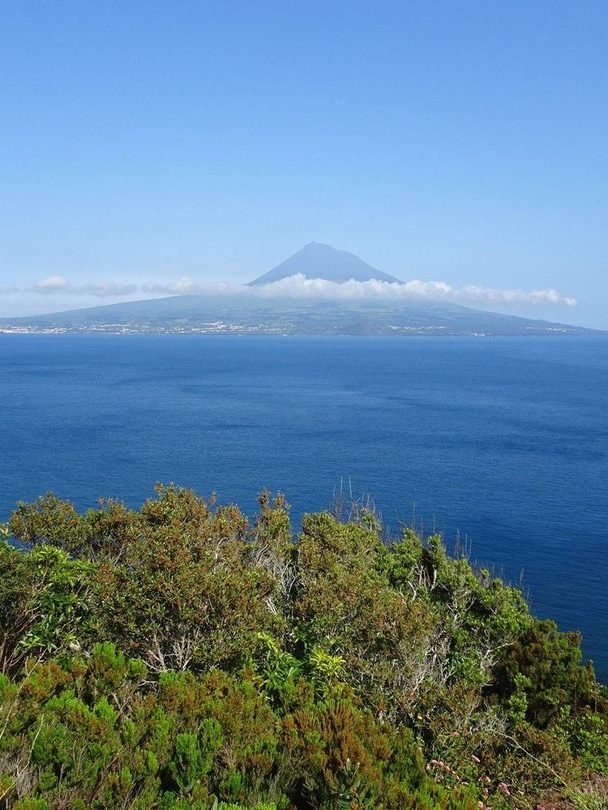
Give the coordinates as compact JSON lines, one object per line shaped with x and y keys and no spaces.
{"x":180,"y":657}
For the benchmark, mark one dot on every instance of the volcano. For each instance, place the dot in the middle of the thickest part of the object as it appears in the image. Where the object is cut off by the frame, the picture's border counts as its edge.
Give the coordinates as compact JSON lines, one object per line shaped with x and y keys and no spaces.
{"x":317,"y":260}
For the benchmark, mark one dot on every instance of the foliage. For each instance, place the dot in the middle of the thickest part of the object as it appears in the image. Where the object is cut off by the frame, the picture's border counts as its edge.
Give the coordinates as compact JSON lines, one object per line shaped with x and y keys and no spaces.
{"x":180,"y":656}
{"x":44,"y":604}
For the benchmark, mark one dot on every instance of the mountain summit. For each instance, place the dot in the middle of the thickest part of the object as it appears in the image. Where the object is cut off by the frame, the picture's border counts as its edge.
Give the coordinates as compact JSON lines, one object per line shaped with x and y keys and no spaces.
{"x":316,"y":260}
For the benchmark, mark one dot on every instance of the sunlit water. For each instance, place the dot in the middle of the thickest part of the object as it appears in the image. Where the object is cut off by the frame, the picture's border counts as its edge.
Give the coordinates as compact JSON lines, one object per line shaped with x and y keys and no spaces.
{"x":502,"y":440}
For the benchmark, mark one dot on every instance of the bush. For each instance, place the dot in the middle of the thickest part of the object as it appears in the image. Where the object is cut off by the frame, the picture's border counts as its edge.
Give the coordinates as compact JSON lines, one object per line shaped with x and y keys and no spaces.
{"x":181,"y":656}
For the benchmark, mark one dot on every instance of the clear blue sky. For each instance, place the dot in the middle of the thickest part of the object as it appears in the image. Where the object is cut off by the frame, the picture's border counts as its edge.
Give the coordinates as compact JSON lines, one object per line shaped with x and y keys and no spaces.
{"x":465,"y":142}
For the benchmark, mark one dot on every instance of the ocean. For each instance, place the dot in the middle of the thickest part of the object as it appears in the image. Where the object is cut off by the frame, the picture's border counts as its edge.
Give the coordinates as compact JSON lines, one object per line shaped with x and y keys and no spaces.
{"x":501,"y":444}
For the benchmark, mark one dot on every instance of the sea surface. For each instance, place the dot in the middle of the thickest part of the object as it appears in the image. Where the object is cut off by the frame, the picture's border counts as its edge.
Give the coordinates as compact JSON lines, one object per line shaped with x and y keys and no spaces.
{"x":499,"y":443}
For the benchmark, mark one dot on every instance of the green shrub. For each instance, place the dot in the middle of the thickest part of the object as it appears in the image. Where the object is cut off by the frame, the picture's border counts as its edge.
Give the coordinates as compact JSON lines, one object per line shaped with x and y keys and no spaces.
{"x":180,"y":656}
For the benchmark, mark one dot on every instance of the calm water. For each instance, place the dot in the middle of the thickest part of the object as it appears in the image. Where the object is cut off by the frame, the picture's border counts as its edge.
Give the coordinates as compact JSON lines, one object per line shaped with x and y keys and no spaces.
{"x":502,"y":440}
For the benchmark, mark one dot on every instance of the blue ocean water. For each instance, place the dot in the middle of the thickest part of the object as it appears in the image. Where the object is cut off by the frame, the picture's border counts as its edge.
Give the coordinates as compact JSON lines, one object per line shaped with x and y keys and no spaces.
{"x":501,"y":441}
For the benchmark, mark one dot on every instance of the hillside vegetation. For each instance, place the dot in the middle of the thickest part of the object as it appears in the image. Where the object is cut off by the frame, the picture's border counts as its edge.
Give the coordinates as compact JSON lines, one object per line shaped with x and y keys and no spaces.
{"x":181,"y":656}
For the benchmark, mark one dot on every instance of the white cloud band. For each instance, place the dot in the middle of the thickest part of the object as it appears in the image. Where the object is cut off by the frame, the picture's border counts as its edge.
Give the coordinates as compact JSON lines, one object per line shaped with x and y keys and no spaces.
{"x":300,"y":287}
{"x":60,"y":284}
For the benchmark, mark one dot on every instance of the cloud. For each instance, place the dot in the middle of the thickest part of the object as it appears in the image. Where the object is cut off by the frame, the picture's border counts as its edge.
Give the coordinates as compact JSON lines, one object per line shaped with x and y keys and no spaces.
{"x":51,"y":284}
{"x":186,"y":286}
{"x":301,"y":287}
{"x":106,"y":289}
{"x":298,"y":286}
{"x":60,"y":284}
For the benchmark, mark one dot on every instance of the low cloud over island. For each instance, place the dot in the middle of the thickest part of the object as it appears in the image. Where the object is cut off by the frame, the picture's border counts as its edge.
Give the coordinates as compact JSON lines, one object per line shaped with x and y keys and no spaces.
{"x":299,"y":286}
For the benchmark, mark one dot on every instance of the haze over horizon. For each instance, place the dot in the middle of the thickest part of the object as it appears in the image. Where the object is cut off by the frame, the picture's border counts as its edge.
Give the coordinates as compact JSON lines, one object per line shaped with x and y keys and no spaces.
{"x":145,"y":147}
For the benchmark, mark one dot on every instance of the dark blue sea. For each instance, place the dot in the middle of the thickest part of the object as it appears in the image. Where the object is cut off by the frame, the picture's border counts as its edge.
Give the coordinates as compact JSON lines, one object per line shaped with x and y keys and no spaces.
{"x":499,"y":443}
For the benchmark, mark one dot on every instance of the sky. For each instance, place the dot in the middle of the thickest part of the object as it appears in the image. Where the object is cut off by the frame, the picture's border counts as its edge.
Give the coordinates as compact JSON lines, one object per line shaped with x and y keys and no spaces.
{"x":150,"y":146}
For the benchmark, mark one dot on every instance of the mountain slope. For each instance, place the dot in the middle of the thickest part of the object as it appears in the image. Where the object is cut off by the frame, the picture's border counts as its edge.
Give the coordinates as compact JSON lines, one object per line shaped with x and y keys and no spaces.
{"x":249,"y":313}
{"x":323,"y":261}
